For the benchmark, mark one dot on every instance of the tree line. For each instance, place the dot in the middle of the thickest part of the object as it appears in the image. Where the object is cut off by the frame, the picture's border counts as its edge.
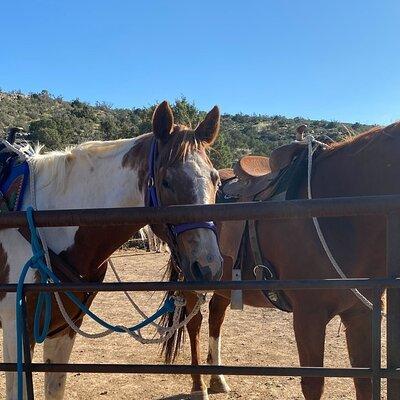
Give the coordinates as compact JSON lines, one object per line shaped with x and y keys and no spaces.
{"x":57,"y":123}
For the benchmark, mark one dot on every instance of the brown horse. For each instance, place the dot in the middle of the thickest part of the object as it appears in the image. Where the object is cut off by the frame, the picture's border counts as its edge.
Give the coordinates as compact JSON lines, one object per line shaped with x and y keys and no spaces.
{"x":368,"y":164}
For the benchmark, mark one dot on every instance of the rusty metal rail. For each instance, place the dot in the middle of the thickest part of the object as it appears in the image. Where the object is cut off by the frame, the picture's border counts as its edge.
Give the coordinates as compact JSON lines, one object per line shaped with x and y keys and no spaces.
{"x":387,"y":206}
{"x":337,"y":207}
{"x":350,"y":283}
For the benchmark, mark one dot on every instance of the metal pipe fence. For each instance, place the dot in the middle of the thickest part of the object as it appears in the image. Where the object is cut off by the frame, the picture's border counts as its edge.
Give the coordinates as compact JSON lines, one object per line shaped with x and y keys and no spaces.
{"x":387,"y":206}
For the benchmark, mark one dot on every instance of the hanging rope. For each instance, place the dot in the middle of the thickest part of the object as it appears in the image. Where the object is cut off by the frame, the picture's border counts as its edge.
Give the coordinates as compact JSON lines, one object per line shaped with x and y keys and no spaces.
{"x":311,"y":149}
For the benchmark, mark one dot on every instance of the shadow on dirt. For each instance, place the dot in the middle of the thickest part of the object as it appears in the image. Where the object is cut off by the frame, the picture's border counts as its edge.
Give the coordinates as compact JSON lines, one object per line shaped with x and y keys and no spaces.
{"x":181,"y":396}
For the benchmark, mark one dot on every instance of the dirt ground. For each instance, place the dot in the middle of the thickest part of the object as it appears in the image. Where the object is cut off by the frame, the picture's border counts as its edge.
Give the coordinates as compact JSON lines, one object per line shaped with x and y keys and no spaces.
{"x":260,"y":337}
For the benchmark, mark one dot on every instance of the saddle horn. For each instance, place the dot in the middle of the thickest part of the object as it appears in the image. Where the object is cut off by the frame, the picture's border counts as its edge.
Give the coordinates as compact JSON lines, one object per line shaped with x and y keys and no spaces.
{"x":300,"y":132}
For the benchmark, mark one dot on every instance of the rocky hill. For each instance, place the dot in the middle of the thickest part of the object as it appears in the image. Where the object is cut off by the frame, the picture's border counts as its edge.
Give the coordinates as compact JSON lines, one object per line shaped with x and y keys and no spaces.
{"x":57,"y":123}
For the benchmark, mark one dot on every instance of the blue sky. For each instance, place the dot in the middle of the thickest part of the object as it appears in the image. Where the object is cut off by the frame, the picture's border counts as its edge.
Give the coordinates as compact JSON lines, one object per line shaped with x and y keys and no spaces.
{"x":336,"y":60}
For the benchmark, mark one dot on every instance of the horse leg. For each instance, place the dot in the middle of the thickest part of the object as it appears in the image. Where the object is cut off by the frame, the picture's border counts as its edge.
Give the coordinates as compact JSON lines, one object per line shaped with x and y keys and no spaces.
{"x":10,"y":356}
{"x":218,"y":306}
{"x":358,"y":322}
{"x":56,"y":350}
{"x":309,"y":328}
{"x":199,"y":389}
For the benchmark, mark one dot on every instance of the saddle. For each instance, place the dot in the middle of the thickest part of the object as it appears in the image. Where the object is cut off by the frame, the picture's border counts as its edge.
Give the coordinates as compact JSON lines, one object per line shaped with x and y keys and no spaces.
{"x":226,"y":174}
{"x":249,"y":167}
{"x":261,"y":178}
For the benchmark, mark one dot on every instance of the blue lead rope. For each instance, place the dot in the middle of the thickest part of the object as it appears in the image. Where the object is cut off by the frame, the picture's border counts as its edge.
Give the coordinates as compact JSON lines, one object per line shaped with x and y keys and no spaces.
{"x":43,"y":305}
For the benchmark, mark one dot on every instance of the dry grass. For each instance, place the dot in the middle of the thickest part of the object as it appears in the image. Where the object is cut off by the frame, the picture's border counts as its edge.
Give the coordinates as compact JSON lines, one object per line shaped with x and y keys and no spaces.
{"x":253,"y":337}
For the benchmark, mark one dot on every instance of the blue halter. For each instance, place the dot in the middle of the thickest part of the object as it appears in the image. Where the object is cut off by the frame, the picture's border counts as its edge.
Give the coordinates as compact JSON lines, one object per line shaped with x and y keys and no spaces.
{"x":153,"y":199}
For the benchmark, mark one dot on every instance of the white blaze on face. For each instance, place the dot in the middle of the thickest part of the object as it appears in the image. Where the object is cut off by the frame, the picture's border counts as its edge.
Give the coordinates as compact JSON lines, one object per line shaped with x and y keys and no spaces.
{"x":201,"y":245}
{"x":199,"y":172}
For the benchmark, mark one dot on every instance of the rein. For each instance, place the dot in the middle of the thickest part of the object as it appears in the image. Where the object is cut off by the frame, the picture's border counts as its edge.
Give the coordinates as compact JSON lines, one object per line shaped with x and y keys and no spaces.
{"x":153,"y":200}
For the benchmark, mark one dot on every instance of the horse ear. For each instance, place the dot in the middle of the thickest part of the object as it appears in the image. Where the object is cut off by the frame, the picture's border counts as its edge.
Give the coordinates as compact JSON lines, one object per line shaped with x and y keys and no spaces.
{"x":163,"y":121}
{"x":208,"y":129}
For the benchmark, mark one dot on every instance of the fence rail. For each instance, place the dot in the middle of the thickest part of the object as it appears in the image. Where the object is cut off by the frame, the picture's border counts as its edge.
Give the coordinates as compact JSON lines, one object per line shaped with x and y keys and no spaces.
{"x":348,"y":283}
{"x":336,"y":207}
{"x":387,"y":206}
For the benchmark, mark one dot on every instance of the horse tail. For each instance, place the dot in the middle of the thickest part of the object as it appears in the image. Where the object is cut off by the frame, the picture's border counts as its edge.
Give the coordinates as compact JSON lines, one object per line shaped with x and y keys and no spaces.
{"x":171,"y":347}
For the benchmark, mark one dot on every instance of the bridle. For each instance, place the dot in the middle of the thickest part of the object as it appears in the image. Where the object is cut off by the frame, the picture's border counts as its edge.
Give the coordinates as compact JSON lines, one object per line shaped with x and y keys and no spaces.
{"x":153,"y":200}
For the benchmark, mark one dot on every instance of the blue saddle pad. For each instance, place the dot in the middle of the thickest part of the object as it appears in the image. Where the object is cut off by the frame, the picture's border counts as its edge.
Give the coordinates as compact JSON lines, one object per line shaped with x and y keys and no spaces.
{"x":13,"y":185}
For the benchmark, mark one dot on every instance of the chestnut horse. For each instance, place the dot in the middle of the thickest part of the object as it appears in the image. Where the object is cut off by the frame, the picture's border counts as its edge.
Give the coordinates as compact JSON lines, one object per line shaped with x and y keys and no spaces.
{"x":368,"y":164}
{"x":111,"y":174}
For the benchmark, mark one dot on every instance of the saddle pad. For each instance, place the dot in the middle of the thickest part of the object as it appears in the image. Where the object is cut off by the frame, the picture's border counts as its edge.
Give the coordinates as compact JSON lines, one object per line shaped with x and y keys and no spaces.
{"x":14,"y":185}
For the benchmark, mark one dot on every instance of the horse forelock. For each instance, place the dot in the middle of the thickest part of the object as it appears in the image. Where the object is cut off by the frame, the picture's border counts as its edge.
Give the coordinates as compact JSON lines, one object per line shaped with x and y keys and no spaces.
{"x":181,"y":145}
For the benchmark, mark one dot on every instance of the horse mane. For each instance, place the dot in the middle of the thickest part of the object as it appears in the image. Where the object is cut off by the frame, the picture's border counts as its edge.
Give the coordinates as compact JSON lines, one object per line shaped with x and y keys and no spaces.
{"x":360,"y":142}
{"x":57,"y":163}
{"x":170,"y":349}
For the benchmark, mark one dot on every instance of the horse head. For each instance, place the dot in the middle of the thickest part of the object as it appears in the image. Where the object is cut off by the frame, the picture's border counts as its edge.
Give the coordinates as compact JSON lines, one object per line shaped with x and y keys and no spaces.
{"x":180,"y":172}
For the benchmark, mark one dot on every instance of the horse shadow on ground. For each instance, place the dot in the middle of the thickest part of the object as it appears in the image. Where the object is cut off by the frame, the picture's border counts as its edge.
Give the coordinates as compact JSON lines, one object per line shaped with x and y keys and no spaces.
{"x":182,"y":396}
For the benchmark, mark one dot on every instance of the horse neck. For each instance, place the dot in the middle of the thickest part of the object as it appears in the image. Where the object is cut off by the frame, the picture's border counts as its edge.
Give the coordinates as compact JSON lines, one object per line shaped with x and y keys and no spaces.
{"x":359,"y":169}
{"x":87,"y":181}
{"x":96,"y":182}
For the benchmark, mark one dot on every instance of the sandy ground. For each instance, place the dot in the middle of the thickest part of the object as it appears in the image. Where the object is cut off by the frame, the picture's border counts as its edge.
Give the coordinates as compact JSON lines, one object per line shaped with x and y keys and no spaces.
{"x":253,"y":337}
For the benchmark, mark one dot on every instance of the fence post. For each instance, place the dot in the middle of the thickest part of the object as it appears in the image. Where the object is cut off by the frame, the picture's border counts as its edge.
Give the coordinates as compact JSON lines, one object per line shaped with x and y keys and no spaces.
{"x":376,"y":344}
{"x":393,"y":302}
{"x":27,"y":353}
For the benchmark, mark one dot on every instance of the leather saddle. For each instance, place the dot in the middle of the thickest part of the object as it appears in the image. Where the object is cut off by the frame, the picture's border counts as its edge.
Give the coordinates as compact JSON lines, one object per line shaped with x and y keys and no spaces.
{"x":252,"y":175}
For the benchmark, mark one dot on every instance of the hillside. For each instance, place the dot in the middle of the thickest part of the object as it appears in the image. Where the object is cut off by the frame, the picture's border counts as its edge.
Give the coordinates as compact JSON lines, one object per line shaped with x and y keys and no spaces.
{"x":57,"y":123}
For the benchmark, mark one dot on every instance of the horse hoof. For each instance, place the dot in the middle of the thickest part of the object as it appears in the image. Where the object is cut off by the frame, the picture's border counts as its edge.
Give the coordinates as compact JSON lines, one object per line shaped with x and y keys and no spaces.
{"x":199,"y":395}
{"x":218,"y":384}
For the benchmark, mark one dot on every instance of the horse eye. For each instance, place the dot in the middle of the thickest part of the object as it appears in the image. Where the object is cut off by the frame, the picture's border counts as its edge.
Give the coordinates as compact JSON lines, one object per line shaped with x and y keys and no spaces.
{"x":165,"y":184}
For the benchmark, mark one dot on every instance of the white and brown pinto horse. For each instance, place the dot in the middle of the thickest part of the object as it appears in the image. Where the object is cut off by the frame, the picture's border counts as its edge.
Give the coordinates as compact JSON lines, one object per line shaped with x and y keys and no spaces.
{"x":110,"y":174}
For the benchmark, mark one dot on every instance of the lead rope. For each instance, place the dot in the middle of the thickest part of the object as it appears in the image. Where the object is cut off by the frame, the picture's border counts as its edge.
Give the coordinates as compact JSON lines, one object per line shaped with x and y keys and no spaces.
{"x":310,"y":141}
{"x":165,"y":333}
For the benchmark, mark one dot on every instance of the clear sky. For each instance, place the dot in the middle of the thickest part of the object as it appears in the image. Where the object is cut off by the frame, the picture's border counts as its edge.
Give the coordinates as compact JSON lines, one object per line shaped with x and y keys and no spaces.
{"x":336,"y":60}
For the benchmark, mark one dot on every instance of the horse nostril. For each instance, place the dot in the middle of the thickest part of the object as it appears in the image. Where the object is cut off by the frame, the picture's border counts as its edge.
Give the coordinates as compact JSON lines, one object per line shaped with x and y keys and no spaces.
{"x":201,"y":273}
{"x":196,"y":271}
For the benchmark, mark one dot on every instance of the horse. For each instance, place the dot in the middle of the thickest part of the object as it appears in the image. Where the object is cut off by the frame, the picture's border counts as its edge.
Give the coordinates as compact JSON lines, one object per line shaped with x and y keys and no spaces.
{"x":155,"y":244}
{"x":172,"y":160}
{"x":364,"y":165}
